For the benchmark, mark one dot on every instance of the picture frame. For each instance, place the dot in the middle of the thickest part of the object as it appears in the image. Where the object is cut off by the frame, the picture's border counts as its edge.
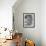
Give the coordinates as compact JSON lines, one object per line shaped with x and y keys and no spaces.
{"x":28,"y":20}
{"x":13,"y":22}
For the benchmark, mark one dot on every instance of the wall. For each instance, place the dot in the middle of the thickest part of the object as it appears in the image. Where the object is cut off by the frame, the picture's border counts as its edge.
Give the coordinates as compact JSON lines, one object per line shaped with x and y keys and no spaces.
{"x":28,"y":6}
{"x":6,"y":13}
{"x":43,"y":22}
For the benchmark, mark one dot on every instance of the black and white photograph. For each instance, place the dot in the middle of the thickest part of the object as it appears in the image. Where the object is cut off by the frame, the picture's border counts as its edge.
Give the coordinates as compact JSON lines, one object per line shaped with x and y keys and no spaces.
{"x":29,"y":20}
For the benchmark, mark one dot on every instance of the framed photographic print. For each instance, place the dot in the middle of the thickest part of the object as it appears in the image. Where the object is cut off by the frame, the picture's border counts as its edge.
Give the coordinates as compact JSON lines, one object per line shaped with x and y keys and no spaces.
{"x":29,"y":20}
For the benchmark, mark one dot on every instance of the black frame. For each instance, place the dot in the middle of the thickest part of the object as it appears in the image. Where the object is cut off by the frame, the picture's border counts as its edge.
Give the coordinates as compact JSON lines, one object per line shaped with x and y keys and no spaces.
{"x":33,"y":18}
